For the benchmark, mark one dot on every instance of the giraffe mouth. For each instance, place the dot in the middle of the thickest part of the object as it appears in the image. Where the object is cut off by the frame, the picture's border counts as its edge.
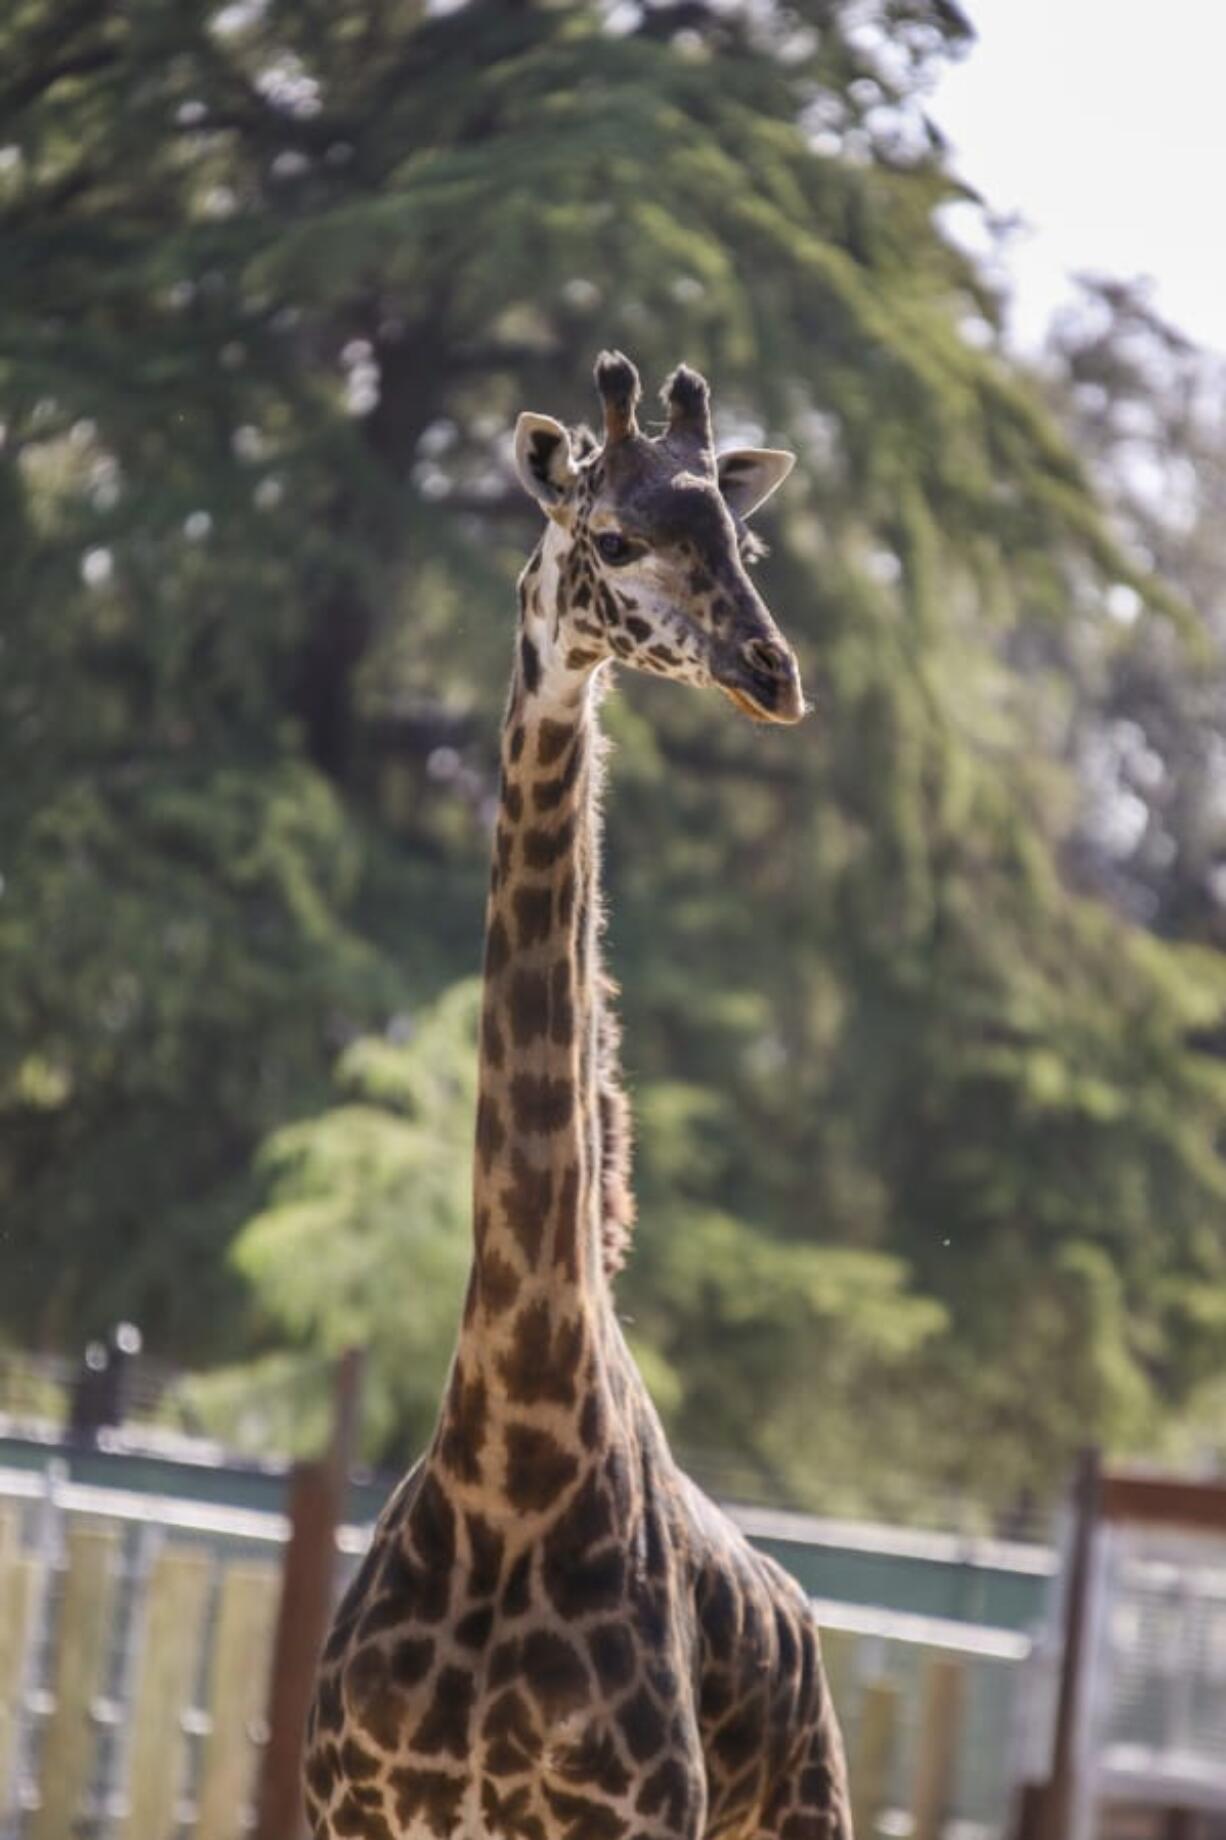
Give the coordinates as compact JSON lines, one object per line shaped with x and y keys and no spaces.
{"x":758,"y":675}
{"x":768,"y":700}
{"x":740,"y":701}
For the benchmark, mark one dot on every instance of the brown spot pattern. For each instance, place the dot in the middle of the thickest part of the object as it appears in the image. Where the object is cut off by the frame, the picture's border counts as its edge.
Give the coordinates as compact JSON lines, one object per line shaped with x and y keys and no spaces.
{"x":411,"y":1660}
{"x":643,"y":1725}
{"x":433,"y":1795}
{"x":485,"y":1545}
{"x":555,"y":1673}
{"x":499,"y":1283}
{"x":432,"y":1522}
{"x":544,"y":848}
{"x":372,"y":1697}
{"x":445,"y":1725}
{"x":517,"y":1593}
{"x":613,"y":1655}
{"x":540,"y":1103}
{"x":491,"y":1134}
{"x":583,"y":1818}
{"x":511,"y":1814}
{"x":538,"y":1468}
{"x":526,"y":1201}
{"x":529,"y":1007}
{"x":464,"y":1425}
{"x":511,"y":1737}
{"x":561,"y":1006}
{"x":533,"y":914}
{"x":544,"y":1357}
{"x":552,"y":740}
{"x":566,"y":1231}
{"x":497,"y":947}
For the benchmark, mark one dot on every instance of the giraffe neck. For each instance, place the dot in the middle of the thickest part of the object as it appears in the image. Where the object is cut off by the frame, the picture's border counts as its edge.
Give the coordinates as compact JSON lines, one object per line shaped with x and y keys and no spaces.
{"x":528,"y":1393}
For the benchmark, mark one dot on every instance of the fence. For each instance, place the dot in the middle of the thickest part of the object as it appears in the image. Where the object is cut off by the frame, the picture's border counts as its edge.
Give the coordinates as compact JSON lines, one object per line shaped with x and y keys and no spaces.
{"x":928,"y":1708}
{"x":134,"y":1643}
{"x":952,"y":1576}
{"x":1124,"y":1700}
{"x":136,"y":1636}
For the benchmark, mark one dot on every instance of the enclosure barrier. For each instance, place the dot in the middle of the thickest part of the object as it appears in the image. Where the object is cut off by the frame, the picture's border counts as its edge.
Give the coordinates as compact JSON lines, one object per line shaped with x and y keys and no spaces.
{"x":927,"y":1709}
{"x":135,"y":1636}
{"x":137,"y":1642}
{"x":1124,"y":1730}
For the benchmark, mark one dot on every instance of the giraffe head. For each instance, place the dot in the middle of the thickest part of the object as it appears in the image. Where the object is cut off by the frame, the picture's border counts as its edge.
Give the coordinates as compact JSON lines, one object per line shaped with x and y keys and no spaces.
{"x":648,"y":536}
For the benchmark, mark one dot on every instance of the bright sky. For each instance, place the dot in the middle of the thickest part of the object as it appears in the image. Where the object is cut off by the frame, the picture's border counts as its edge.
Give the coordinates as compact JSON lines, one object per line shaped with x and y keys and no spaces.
{"x":1102,"y":123}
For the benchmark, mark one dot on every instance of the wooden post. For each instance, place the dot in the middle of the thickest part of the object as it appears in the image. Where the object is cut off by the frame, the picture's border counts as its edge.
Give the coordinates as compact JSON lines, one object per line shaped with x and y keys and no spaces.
{"x":316,"y":1503}
{"x":872,"y":1754}
{"x":940,"y":1725}
{"x":1061,"y":1795}
{"x":1026,"y":1820}
{"x":1179,"y":1824}
{"x":1162,"y":1501}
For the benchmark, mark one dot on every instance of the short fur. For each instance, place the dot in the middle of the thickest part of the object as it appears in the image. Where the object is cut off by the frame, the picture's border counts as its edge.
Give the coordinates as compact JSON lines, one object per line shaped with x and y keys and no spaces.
{"x":555,"y":1636}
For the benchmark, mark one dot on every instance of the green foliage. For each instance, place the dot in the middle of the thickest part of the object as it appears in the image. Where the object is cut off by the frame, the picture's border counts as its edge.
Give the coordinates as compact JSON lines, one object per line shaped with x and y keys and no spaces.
{"x":930,"y":1166}
{"x":1145,"y":718}
{"x":811,"y":1340}
{"x":363,"y":1237}
{"x":154,"y":921}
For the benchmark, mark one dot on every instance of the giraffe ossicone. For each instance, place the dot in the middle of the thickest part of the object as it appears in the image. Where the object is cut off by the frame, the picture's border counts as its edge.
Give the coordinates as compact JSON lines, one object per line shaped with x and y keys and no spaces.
{"x":555,"y":1635}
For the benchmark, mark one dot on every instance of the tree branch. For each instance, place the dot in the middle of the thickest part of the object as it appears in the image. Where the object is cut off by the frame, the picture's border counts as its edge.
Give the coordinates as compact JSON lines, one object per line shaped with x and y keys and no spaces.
{"x":39,"y":77}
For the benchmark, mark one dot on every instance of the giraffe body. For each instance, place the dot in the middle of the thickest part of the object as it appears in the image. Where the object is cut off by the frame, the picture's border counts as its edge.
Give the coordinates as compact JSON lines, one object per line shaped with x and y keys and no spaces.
{"x":555,"y":1636}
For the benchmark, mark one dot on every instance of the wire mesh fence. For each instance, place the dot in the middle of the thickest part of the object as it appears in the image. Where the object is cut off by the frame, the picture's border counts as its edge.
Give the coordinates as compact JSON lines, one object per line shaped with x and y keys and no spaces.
{"x":1147,"y":1732}
{"x":1163,"y":1714}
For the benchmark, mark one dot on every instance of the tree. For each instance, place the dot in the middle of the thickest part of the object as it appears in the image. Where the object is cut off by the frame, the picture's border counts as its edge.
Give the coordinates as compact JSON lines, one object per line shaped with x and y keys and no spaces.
{"x":363,"y":1239}
{"x":263,"y":552}
{"x":1144,"y":726}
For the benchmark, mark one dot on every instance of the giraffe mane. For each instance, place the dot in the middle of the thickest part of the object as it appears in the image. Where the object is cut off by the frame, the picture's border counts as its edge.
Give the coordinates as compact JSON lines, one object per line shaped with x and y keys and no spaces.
{"x":618,"y":1208}
{"x":617,"y":1205}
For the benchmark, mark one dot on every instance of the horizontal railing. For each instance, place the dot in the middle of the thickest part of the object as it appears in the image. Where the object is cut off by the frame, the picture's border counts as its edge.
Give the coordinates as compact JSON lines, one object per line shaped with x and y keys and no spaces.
{"x":121,"y":1602}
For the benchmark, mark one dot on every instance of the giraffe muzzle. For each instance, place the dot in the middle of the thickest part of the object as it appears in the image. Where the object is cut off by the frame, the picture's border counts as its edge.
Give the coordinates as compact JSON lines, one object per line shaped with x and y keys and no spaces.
{"x":762,"y":680}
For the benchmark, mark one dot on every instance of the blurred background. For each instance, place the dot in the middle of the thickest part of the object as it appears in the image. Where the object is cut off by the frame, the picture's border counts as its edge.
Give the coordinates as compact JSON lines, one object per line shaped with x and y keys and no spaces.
{"x":925,"y":1002}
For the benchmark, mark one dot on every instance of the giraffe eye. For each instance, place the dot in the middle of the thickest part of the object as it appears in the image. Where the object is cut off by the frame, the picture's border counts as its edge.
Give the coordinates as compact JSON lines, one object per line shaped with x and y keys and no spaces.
{"x":614,"y":547}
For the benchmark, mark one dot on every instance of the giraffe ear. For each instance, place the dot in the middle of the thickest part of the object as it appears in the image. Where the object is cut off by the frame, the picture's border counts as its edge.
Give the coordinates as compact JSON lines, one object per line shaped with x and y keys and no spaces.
{"x":748,"y":476}
{"x":543,"y":459}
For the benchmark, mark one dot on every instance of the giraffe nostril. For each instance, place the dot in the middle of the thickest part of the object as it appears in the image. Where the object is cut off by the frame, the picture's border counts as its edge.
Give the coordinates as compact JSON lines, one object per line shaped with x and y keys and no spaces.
{"x":763,"y":655}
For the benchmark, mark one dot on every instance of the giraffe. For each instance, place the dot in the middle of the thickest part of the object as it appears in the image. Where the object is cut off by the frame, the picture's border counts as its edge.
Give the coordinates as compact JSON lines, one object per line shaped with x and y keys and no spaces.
{"x":555,"y":1635}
